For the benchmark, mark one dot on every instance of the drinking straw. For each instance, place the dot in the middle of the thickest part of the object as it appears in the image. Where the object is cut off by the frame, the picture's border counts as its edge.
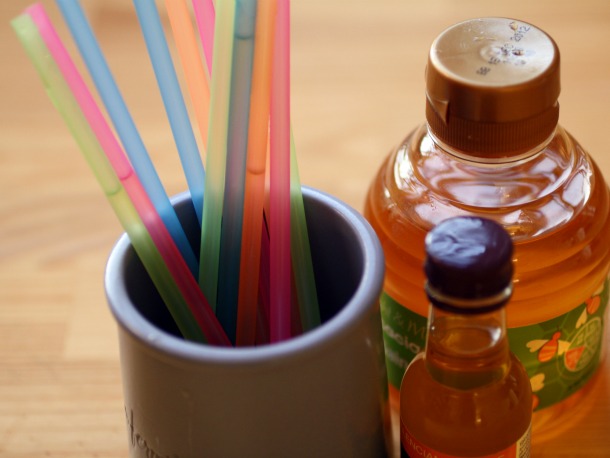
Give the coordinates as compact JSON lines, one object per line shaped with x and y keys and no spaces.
{"x":171,"y":94}
{"x":254,"y":199}
{"x":302,"y":264}
{"x":279,"y":227}
{"x":232,"y":216}
{"x":217,"y":150}
{"x":124,"y":125}
{"x":206,"y":17}
{"x":166,"y":267}
{"x":262,"y":313}
{"x":195,"y":73}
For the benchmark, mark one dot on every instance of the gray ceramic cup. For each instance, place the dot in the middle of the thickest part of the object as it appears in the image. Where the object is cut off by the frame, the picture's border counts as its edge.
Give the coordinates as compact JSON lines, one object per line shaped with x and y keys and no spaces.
{"x":321,"y":394}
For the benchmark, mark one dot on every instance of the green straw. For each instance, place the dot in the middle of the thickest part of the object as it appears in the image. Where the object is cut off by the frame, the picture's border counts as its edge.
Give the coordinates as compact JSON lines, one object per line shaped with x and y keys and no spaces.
{"x":217,"y":150}
{"x":302,"y":264}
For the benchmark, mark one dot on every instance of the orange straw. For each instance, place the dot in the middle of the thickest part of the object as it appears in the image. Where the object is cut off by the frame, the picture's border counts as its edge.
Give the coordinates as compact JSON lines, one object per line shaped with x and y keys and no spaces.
{"x":254,"y":198}
{"x":195,"y":69}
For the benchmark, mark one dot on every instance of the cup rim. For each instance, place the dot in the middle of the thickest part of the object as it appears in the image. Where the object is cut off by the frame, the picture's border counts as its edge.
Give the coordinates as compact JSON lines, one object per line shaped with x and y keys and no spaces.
{"x":365,"y":296}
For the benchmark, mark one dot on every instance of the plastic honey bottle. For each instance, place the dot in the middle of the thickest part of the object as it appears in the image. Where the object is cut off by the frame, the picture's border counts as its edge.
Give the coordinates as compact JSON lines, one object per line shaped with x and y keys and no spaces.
{"x":467,"y":394}
{"x":491,"y":146}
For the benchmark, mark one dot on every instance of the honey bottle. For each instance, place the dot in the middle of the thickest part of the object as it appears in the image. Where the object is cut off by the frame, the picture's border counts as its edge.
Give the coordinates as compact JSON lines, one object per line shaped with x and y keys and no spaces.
{"x":466,"y":394}
{"x":492,"y":147}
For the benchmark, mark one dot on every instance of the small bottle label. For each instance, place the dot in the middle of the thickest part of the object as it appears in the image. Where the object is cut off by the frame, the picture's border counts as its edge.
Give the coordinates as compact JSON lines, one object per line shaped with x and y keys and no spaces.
{"x":560,"y":355}
{"x":410,"y":447}
{"x":404,"y":336}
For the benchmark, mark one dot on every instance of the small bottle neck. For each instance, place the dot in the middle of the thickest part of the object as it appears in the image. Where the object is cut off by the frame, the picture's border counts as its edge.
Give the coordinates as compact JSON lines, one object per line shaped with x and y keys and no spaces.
{"x":466,"y":351}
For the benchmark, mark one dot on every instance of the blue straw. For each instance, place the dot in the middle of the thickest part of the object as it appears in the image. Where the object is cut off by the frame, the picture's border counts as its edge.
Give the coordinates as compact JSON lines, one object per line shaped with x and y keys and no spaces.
{"x":237,"y":143}
{"x":173,"y":100}
{"x":124,"y":125}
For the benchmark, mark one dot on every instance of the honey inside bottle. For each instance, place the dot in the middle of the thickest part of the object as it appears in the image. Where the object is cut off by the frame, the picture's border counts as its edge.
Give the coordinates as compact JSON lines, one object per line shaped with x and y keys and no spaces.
{"x":492,"y":147}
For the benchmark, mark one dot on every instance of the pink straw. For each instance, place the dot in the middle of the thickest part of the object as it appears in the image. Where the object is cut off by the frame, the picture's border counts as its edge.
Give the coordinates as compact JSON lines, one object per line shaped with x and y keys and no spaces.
{"x":262,"y":312}
{"x":116,"y":156}
{"x":279,"y":229}
{"x":205,"y":15}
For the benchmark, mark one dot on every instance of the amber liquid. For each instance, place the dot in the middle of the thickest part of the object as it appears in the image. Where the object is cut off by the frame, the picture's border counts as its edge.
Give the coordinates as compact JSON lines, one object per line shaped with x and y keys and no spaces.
{"x":554,"y":203}
{"x":467,"y":395}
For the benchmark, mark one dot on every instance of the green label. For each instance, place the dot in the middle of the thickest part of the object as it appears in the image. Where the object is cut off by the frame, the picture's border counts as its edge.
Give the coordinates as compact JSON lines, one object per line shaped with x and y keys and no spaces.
{"x":404,"y":336}
{"x":560,"y":355}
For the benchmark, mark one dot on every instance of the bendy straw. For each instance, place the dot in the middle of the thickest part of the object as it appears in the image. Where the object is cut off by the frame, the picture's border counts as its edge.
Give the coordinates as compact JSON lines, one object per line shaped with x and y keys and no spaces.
{"x":217,"y":150}
{"x":279,"y":218}
{"x":149,"y":236}
{"x":124,"y":125}
{"x":254,"y":198}
{"x":172,"y":99}
{"x":205,"y":17}
{"x":195,"y":72}
{"x":232,"y":216}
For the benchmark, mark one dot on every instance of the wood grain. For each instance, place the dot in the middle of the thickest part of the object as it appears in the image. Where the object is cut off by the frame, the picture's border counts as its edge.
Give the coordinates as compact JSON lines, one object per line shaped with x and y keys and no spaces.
{"x":357,"y":89}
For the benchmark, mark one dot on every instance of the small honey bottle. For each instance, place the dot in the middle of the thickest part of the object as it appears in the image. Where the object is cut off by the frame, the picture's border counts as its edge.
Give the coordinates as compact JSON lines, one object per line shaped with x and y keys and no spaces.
{"x":466,"y":395}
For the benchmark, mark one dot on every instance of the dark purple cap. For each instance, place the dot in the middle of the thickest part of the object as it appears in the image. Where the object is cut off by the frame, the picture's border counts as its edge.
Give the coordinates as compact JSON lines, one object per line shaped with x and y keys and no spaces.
{"x":468,"y":258}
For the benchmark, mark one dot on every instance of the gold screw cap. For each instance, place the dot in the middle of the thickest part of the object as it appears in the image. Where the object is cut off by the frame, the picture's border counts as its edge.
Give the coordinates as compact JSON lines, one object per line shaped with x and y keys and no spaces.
{"x":492,"y":86}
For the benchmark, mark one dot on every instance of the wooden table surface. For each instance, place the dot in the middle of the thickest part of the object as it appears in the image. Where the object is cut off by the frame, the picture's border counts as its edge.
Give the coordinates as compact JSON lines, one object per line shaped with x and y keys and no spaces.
{"x":357,"y":89}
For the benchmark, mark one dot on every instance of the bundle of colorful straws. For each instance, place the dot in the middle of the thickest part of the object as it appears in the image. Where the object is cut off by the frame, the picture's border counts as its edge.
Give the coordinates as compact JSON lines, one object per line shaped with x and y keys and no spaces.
{"x":239,"y":289}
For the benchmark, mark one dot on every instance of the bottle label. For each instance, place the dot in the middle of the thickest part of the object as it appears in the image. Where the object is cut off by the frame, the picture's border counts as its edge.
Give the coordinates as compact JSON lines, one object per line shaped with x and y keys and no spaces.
{"x":410,"y":447}
{"x":404,"y":336}
{"x":560,"y":355}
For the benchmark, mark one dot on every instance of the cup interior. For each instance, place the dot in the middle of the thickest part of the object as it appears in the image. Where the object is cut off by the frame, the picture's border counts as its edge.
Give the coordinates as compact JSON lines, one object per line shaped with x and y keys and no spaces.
{"x":340,"y":242}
